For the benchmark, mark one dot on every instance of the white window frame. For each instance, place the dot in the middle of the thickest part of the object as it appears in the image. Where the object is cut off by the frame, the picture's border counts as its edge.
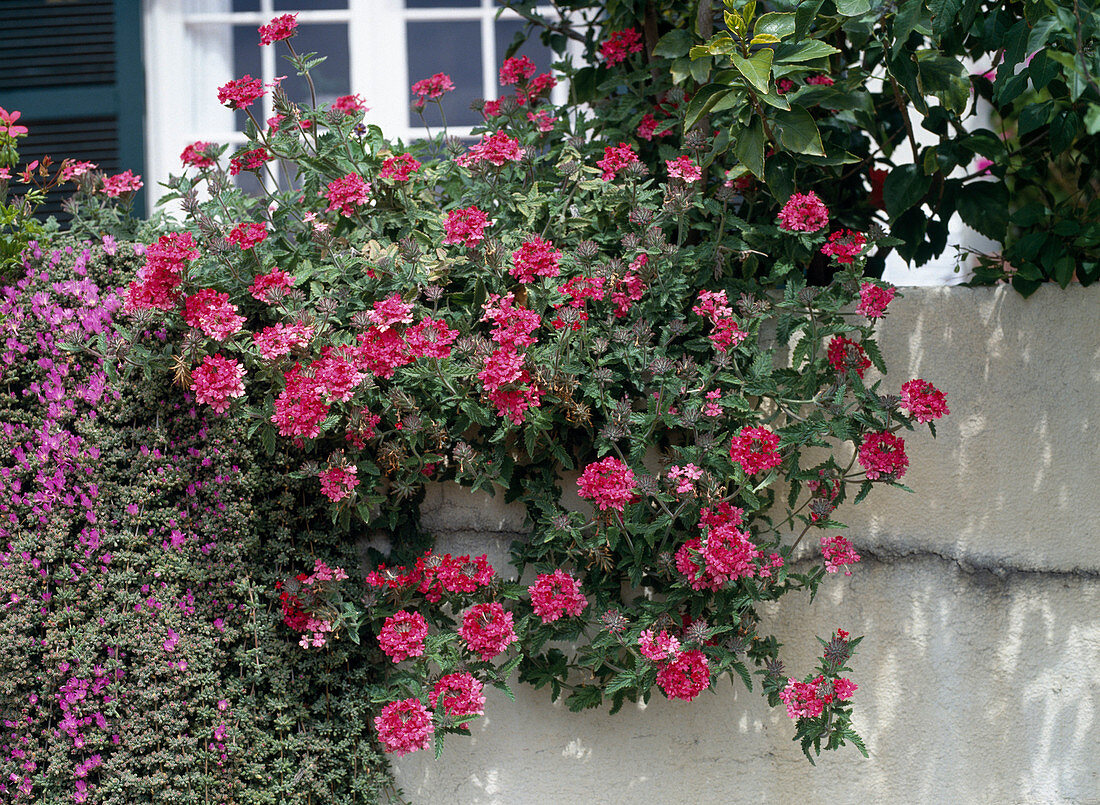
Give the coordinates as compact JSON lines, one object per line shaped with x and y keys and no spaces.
{"x":183,"y":70}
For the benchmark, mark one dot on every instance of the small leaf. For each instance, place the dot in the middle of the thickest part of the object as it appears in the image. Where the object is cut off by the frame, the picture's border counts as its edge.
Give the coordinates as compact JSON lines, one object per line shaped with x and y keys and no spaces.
{"x":944,"y":13}
{"x":804,"y":51}
{"x":798,"y":132}
{"x":853,"y":8}
{"x":674,"y":44}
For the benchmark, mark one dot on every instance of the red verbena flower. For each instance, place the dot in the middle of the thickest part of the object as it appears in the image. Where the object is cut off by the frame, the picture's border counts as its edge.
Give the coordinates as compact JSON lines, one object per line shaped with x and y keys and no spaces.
{"x":278,"y":29}
{"x":346,"y":191}
{"x":300,"y":409}
{"x":263,"y":284}
{"x":430,"y":338}
{"x":248,"y":161}
{"x":755,"y":449}
{"x":608,"y":483}
{"x":923,"y":401}
{"x":247,"y":235}
{"x":535,"y":258}
{"x":391,"y":310}
{"x":873,"y":300}
{"x":336,"y":376}
{"x":620,"y":44}
{"x":883,"y":456}
{"x":349,"y":104}
{"x":274,"y":342}
{"x":556,"y":594}
{"x":497,"y":148}
{"x":658,"y":648}
{"x":465,"y":226}
{"x":542,"y":120}
{"x":125,"y":182}
{"x":845,"y":246}
{"x":686,"y":676}
{"x":399,"y":168}
{"x":211,"y":312}
{"x":647,"y":129}
{"x":683,"y":168}
{"x":487,"y":629}
{"x":803,"y":212}
{"x":216,"y":381}
{"x":196,"y":155}
{"x":404,"y":727}
{"x":615,"y":158}
{"x":241,"y":92}
{"x":382,"y":351}
{"x":844,"y":355}
{"x":541,"y":85}
{"x":158,"y":281}
{"x":838,"y":552}
{"x":802,"y":699}
{"x":402,"y":636}
{"x":516,"y":70}
{"x":820,"y":80}
{"x":432,"y":88}
{"x":458,"y":695}
{"x":338,"y":482}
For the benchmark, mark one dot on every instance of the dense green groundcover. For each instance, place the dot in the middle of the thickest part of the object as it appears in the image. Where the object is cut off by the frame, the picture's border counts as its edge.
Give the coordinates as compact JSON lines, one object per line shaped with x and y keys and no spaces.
{"x":145,"y":658}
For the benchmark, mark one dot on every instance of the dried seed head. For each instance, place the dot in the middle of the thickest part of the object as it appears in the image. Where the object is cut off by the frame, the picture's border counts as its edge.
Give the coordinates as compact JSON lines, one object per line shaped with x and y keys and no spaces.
{"x":614,"y":621}
{"x":568,"y":168}
{"x":695,"y":139}
{"x":697,"y":632}
{"x":409,"y":249}
{"x":630,"y":242}
{"x":587,"y":249}
{"x":636,"y":170}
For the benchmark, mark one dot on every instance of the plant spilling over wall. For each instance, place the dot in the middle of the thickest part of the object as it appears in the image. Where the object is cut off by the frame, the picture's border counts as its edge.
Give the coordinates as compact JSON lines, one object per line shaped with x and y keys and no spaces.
{"x":614,"y":335}
{"x":140,"y":542}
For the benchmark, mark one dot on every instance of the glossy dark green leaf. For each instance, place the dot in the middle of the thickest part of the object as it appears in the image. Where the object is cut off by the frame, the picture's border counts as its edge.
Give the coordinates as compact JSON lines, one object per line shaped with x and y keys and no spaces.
{"x":983,"y":206}
{"x":798,"y":132}
{"x":749,"y":147}
{"x":904,"y":187}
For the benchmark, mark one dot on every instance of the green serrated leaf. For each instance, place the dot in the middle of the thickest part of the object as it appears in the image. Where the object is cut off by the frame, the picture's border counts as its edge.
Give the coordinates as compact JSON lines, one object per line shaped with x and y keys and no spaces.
{"x":757,"y":69}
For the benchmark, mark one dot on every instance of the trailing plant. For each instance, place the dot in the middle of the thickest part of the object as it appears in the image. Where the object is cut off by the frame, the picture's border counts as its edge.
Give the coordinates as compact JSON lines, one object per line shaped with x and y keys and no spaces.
{"x":537,"y":314}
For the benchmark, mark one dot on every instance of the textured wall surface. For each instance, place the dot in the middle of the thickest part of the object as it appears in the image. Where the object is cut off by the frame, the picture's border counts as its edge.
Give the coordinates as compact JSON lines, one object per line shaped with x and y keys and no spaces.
{"x":979,"y":599}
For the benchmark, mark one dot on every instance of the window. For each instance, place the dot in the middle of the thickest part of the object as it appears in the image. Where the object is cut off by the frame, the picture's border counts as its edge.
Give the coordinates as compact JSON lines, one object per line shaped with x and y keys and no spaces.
{"x":376,"y":48}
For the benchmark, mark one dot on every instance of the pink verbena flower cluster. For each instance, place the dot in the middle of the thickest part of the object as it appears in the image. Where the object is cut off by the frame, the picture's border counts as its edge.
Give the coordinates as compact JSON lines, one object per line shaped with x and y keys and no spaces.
{"x":838,"y":552}
{"x":196,"y":155}
{"x":882,"y":455}
{"x":629,"y":288}
{"x":300,"y":408}
{"x":684,"y":477}
{"x":804,"y":212}
{"x":263,"y":284}
{"x":433,"y":574}
{"x":756,"y":450}
{"x":497,"y":148}
{"x":608,"y":483}
{"x":620,"y":44}
{"x":715,"y":306}
{"x":465,"y":226}
{"x":158,"y":281}
{"x":247,"y":235}
{"x":923,"y":401}
{"x":556,"y":594}
{"x":809,"y":699}
{"x":338,"y":482}
{"x":615,"y":159}
{"x":535,"y":258}
{"x":278,"y":29}
{"x":542,"y":120}
{"x":217,"y":380}
{"x":399,"y":168}
{"x":504,"y":375}
{"x":350,"y":189}
{"x":300,"y":617}
{"x":680,"y":674}
{"x":210,"y":311}
{"x":459,"y":694}
{"x":647,"y":128}
{"x":279,"y":340}
{"x":431,"y":89}
{"x":487,"y":630}
{"x":241,"y":92}
{"x":404,"y":726}
{"x":125,"y":182}
{"x":248,"y":161}
{"x":845,"y":246}
{"x":516,"y":70}
{"x":724,"y":553}
{"x":349,"y":104}
{"x":873,"y":300}
{"x":845,"y":355}
{"x":684,"y":169}
{"x":402,"y":636}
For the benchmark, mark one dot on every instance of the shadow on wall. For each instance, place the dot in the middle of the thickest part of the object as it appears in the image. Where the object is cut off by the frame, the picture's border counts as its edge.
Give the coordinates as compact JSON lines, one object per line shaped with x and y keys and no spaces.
{"x":1012,"y":479}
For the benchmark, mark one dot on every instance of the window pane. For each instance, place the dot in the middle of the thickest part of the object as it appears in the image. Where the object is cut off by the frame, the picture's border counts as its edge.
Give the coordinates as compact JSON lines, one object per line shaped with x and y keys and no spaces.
{"x":331,"y":78}
{"x":246,"y":5}
{"x":453,"y":48}
{"x":533,"y":48}
{"x":283,"y":6}
{"x":442,"y":3}
{"x":246,"y":60}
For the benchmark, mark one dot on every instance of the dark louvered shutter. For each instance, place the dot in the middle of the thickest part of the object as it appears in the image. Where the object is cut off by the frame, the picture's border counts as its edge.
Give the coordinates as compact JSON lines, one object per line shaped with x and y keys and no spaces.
{"x":74,"y":69}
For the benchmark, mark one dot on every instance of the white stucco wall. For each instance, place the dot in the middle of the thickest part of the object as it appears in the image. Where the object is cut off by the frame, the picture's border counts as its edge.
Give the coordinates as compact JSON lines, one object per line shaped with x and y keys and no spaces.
{"x":979,"y":599}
